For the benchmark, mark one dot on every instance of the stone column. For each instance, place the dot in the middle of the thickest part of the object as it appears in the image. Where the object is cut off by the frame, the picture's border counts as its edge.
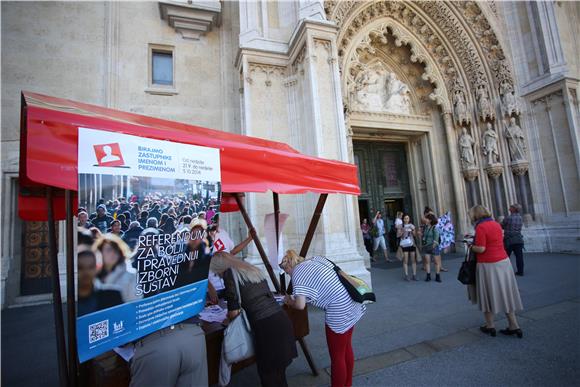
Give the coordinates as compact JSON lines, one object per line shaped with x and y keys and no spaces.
{"x":494,"y":172}
{"x":520,"y":169}
{"x":461,"y":215}
{"x":470,"y":175}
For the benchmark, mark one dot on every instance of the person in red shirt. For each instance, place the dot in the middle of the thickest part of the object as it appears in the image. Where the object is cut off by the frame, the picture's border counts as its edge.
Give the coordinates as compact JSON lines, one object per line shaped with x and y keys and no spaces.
{"x":496,"y":286}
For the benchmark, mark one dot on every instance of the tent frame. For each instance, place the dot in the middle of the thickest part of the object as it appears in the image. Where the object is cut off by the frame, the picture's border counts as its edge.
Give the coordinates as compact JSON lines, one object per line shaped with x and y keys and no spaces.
{"x":67,"y":355}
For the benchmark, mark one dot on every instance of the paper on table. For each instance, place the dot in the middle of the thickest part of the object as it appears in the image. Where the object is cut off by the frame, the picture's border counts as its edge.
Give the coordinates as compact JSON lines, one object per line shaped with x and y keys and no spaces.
{"x":125,"y":352}
{"x":213,"y":313}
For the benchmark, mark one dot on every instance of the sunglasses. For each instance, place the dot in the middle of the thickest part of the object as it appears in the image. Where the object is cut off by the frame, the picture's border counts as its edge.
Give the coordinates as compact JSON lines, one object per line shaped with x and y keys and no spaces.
{"x":282,"y":266}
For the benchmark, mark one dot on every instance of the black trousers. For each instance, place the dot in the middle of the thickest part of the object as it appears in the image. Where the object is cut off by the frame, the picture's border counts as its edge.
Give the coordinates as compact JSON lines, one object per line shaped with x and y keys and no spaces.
{"x":517,"y":249}
{"x":369,"y":246}
{"x":273,"y":378}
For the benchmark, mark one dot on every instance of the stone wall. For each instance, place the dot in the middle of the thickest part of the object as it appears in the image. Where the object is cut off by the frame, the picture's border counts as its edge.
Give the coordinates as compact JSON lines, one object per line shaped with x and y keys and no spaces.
{"x":98,"y":53}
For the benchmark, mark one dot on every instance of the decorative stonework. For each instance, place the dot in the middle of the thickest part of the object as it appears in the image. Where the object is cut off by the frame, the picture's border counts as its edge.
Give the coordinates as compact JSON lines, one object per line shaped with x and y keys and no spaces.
{"x":489,"y":146}
{"x":460,"y":110}
{"x":470,"y":174}
{"x":465,"y":31}
{"x":386,"y":42}
{"x":270,"y":71}
{"x":509,"y":102}
{"x":520,"y":169}
{"x":191,"y":19}
{"x":466,"y":154}
{"x":516,"y":141}
{"x":484,"y":106}
{"x":375,"y":89}
{"x":494,"y":171}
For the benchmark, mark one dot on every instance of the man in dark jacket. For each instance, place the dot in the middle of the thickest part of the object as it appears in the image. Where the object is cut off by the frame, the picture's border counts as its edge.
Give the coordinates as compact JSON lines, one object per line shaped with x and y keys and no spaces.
{"x":102,"y":221}
{"x":512,"y":237}
{"x":131,"y":236}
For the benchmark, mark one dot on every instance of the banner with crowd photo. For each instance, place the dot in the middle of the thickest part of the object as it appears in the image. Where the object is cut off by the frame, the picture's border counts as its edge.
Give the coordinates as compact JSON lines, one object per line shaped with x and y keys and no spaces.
{"x":143,"y":254}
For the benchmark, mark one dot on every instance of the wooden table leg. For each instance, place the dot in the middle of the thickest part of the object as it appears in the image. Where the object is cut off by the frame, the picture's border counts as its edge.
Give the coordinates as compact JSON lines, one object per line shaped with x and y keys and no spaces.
{"x":308,"y":356}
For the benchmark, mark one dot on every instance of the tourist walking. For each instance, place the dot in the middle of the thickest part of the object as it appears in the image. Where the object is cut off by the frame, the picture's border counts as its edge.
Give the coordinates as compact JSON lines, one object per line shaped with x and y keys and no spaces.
{"x":407,"y":245}
{"x":430,"y":247}
{"x":367,"y":238}
{"x":512,"y":236}
{"x":378,"y":233}
{"x":496,"y":289}
{"x":315,"y":281}
{"x":274,"y":342}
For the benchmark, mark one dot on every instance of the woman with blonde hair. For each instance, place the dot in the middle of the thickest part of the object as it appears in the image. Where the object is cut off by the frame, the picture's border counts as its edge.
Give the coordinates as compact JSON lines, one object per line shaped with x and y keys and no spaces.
{"x":115,"y":271}
{"x":314,"y":281}
{"x":496,"y":290}
{"x":274,"y":341}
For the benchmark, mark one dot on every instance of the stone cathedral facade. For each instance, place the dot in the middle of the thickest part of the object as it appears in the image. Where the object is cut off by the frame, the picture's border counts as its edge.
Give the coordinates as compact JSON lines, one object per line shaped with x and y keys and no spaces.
{"x":440,"y":104}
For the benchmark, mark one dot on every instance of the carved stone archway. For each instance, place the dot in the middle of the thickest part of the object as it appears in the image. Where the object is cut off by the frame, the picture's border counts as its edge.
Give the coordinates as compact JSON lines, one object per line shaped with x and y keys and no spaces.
{"x":457,"y":36}
{"x":463,"y":60}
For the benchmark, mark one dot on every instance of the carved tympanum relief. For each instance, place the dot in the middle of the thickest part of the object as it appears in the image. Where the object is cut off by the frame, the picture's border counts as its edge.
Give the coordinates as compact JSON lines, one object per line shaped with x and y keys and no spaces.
{"x":382,"y":77}
{"x":375,"y":89}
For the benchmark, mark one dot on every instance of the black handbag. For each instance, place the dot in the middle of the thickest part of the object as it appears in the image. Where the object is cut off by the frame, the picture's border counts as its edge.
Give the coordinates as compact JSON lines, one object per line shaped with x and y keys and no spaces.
{"x":467,"y":270}
{"x":356,"y":288}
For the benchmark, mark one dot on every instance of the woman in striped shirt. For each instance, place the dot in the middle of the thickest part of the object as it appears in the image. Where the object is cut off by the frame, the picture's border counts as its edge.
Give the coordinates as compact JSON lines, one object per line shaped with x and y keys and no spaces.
{"x":315,"y":282}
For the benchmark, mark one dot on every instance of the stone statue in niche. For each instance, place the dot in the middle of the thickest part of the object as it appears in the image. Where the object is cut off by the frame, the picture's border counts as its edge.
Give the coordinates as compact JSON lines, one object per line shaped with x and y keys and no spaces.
{"x":483,"y":103}
{"x":516,"y":141}
{"x":509,"y":101}
{"x":460,"y":107}
{"x":489,"y":147}
{"x":466,"y":143}
{"x":377,"y":90}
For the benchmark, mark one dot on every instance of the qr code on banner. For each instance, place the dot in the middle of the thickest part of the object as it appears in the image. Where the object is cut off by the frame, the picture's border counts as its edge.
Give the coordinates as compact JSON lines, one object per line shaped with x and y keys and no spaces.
{"x":98,"y":331}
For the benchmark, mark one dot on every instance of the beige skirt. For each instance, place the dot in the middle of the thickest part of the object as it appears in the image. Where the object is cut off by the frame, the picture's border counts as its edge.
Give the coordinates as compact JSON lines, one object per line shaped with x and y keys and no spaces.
{"x":496,"y":288}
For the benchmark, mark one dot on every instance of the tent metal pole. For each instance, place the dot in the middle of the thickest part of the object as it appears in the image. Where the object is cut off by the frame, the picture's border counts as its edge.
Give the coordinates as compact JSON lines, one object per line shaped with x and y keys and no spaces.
{"x":259,"y":246}
{"x":277,"y":224}
{"x":70,"y":291}
{"x":57,"y":300}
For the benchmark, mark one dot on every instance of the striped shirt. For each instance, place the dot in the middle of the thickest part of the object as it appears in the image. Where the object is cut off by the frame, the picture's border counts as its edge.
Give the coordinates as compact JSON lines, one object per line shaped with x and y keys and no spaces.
{"x":316,"y":280}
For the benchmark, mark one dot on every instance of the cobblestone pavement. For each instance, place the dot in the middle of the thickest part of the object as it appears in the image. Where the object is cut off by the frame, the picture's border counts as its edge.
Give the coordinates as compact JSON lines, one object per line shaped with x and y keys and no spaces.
{"x":417,"y":334}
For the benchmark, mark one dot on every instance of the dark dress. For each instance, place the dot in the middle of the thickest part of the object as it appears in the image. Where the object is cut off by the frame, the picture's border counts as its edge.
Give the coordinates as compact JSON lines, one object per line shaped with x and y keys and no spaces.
{"x":274,"y":340}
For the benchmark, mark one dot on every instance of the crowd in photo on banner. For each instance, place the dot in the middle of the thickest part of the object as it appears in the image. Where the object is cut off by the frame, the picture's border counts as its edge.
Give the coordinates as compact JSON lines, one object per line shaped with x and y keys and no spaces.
{"x":110,"y":264}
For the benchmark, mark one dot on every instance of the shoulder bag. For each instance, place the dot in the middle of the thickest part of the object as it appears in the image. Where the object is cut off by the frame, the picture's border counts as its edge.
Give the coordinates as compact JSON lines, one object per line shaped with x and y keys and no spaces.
{"x":238,"y":342}
{"x":356,"y":288}
{"x":467,"y":270}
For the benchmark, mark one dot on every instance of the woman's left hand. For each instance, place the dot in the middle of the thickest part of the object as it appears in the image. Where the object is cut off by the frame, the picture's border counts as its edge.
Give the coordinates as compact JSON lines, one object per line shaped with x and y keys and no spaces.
{"x":232,"y":314}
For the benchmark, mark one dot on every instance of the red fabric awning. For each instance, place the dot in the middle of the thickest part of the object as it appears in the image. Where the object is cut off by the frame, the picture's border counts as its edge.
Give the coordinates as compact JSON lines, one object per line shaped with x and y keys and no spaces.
{"x":48,"y":153}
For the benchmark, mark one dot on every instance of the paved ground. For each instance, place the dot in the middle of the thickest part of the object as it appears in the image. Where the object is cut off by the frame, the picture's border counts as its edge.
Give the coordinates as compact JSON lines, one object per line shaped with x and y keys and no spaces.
{"x":417,"y":333}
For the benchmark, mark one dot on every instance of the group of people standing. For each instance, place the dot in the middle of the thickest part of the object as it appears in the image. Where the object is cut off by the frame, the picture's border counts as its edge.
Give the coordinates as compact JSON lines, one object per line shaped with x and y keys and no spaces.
{"x":428,"y":241}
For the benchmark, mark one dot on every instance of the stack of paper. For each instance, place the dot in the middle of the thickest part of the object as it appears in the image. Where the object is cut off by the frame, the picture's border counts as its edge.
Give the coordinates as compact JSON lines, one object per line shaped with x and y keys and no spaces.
{"x":213,"y":313}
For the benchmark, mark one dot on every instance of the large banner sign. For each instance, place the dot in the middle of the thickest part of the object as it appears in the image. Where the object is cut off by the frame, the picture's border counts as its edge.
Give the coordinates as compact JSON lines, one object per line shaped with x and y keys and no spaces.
{"x":143,"y":255}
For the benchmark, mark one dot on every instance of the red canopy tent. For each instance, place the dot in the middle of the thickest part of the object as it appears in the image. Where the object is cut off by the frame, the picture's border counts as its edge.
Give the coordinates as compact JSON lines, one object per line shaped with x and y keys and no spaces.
{"x":49,"y":176}
{"x":48,"y":153}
